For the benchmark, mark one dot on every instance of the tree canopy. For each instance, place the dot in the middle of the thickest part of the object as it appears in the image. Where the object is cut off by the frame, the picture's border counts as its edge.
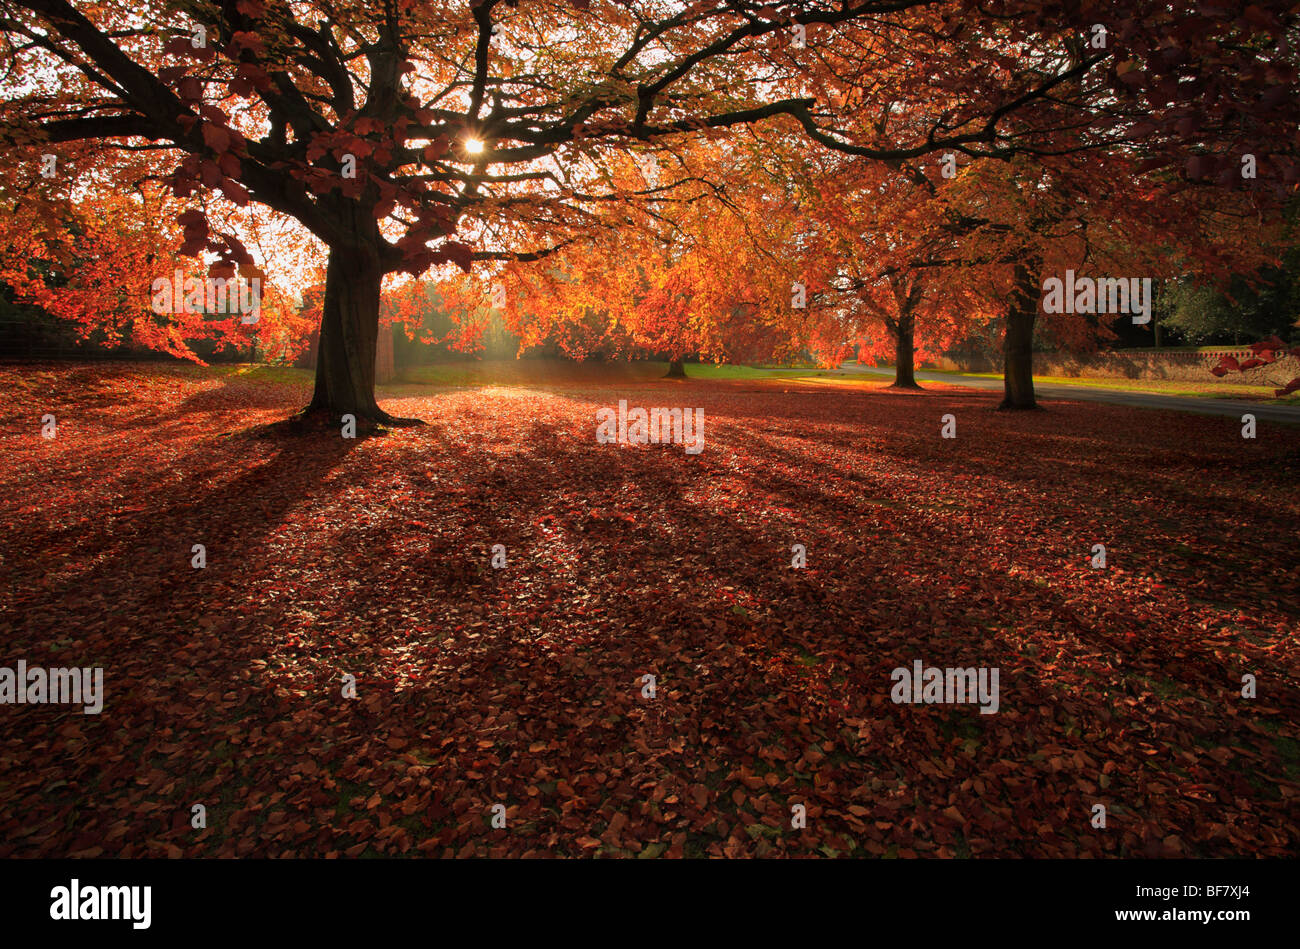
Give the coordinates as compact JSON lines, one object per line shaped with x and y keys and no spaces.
{"x":405,"y":135}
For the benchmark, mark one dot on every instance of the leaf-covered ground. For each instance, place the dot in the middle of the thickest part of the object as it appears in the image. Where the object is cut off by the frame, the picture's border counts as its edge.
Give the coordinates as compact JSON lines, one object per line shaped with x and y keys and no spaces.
{"x":522,"y":686}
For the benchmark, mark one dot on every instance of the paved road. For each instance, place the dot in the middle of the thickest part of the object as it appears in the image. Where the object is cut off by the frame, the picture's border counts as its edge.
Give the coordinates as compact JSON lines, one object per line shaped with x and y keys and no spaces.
{"x":1263,"y":411}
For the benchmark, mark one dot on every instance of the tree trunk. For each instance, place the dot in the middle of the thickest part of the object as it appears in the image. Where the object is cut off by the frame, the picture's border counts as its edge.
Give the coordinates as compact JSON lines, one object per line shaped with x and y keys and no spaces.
{"x":905,"y":352}
{"x":349,"y":330}
{"x":1018,"y":344}
{"x":676,"y":369}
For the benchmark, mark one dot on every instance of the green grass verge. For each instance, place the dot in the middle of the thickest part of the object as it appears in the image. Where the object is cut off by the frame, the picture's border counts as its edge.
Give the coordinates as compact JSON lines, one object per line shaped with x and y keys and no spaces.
{"x":271,"y":375}
{"x":556,"y":372}
{"x":544,"y":372}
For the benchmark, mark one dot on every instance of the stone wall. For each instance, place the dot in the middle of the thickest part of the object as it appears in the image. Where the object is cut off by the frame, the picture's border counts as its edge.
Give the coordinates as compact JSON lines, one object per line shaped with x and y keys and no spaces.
{"x":1180,"y":365}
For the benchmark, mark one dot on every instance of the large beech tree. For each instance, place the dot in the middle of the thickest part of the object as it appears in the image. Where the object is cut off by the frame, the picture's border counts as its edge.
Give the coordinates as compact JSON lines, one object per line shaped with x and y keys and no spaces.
{"x":886,"y":232}
{"x":405,"y":134}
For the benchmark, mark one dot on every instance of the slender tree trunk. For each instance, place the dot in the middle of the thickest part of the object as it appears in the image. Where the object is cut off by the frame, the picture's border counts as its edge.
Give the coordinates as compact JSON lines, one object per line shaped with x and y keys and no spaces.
{"x":907,"y":296}
{"x":905,"y":351}
{"x":1018,"y":344}
{"x":676,"y":369}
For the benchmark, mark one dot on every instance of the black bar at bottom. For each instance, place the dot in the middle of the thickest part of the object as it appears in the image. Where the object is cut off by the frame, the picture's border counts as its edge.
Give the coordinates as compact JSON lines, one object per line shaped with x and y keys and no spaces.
{"x":644,"y":900}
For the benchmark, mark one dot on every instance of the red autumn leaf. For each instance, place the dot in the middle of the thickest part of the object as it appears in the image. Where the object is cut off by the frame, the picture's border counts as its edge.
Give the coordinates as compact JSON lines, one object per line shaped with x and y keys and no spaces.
{"x":234,"y":191}
{"x":1272,"y":343}
{"x":244,"y":40}
{"x":216,"y":137}
{"x":459,"y":254}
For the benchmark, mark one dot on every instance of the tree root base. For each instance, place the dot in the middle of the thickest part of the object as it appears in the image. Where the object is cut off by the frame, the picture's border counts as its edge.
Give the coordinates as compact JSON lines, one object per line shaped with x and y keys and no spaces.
{"x":312,"y":421}
{"x":1006,"y":406}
